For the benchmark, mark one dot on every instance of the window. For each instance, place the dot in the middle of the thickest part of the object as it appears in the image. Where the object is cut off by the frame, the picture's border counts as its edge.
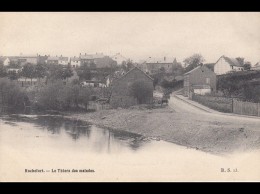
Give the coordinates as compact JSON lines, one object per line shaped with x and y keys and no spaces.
{"x":208,"y":80}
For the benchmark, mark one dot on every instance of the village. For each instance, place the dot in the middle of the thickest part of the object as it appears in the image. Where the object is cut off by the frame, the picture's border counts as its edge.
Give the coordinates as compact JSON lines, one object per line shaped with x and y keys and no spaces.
{"x":152,"y":97}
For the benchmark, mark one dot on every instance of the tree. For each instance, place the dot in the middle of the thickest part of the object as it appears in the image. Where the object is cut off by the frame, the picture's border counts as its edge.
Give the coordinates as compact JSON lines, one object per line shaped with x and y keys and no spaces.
{"x":141,"y":90}
{"x":127,"y":65}
{"x":84,"y":72}
{"x":28,"y":71}
{"x":247,"y":65}
{"x":193,"y":62}
{"x":177,"y":69}
{"x":3,"y":72}
{"x":55,"y":72}
{"x":12,"y":75}
{"x":40,"y":71}
{"x":67,"y":72}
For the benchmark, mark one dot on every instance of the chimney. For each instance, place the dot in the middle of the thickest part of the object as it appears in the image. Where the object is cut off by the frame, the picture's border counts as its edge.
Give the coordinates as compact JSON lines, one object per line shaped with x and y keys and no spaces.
{"x":164,"y":58}
{"x":85,"y":54}
{"x":61,"y":55}
{"x":79,"y":53}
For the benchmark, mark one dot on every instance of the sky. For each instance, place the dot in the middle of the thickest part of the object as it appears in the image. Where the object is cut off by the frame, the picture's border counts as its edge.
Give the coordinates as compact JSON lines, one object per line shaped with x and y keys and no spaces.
{"x":136,"y":35}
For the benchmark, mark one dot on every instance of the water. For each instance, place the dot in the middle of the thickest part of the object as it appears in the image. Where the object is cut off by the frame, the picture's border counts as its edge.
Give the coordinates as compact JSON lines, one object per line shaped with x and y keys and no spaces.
{"x":53,"y":142}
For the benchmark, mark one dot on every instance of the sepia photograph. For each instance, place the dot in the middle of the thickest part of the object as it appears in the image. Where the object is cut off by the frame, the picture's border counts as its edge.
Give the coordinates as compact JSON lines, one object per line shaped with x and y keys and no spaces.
{"x":129,"y":96}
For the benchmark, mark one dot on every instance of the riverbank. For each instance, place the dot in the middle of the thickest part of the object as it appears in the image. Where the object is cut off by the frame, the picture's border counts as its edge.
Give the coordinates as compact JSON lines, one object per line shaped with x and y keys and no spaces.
{"x":214,"y":135}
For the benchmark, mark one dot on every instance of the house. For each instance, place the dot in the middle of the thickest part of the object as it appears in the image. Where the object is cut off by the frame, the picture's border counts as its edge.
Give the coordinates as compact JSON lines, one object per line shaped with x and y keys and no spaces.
{"x":256,"y":67}
{"x":11,"y":60}
{"x":63,"y":60}
{"x":53,"y":60}
{"x":226,"y":64}
{"x":15,"y":70}
{"x":121,"y":95}
{"x":119,"y":58}
{"x":75,"y":62}
{"x":32,"y":59}
{"x":98,"y":60}
{"x":200,"y":80}
{"x":153,"y":65}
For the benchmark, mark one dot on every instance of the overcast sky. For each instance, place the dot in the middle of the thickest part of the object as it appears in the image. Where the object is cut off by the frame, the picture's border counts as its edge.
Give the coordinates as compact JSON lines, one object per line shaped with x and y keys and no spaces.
{"x":134,"y":35}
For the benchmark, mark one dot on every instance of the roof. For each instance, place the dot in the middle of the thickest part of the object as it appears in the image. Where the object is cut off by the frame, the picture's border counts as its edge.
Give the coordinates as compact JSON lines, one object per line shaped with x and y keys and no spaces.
{"x":63,"y":58}
{"x":132,"y":70}
{"x":196,"y":68}
{"x":92,"y":56}
{"x":232,"y":61}
{"x":160,"y":60}
{"x":53,"y":58}
{"x":74,"y":58}
{"x":257,"y":64}
{"x":28,"y":56}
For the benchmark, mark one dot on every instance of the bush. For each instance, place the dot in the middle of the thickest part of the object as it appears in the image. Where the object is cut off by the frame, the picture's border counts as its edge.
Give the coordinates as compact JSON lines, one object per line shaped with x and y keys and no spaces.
{"x":12,"y":96}
{"x":58,"y":96}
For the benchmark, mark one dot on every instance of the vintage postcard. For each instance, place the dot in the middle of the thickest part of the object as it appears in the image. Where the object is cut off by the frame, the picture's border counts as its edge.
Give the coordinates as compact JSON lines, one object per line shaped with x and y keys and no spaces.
{"x":129,"y":96}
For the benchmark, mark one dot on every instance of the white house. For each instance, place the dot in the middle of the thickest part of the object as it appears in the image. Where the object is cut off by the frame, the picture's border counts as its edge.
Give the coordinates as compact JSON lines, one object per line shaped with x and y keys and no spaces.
{"x":63,"y":60}
{"x":6,"y":61}
{"x":75,"y":61}
{"x":226,"y":64}
{"x":119,"y":58}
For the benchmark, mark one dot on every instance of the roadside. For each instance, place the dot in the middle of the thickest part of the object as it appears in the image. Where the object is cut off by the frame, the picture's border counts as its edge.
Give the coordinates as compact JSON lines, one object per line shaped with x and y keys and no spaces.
{"x":209,"y":110}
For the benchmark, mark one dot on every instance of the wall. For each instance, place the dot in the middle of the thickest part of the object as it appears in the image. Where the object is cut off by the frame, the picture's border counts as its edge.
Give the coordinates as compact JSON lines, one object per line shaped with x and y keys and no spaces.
{"x":199,"y":78}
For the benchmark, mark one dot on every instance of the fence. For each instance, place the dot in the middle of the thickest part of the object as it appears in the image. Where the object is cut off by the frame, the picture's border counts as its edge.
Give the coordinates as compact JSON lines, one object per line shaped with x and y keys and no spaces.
{"x":246,"y":108}
{"x":231,"y":105}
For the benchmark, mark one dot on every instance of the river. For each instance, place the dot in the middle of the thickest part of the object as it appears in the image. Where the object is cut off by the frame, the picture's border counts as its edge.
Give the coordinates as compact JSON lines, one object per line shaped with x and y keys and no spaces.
{"x":52,"y":148}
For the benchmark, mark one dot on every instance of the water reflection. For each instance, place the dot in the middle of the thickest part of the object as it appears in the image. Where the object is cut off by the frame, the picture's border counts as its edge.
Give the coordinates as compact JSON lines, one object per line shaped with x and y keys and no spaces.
{"x":80,"y":132}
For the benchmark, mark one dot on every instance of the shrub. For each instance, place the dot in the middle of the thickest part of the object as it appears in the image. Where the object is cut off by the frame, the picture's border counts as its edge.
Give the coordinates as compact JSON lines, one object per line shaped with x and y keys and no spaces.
{"x":12,"y":96}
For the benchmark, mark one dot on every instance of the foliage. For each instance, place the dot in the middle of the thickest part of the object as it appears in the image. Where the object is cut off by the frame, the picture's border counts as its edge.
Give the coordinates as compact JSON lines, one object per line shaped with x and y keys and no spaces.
{"x":28,"y":71}
{"x":3,"y":72}
{"x":140,"y":90}
{"x":67,"y":72}
{"x":171,"y":84}
{"x":58,"y":96}
{"x":11,"y":95}
{"x":12,"y":75}
{"x":84,"y":72}
{"x":247,"y":66}
{"x":40,"y":71}
{"x":244,"y":84}
{"x":128,"y":65}
{"x":193,"y":61}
